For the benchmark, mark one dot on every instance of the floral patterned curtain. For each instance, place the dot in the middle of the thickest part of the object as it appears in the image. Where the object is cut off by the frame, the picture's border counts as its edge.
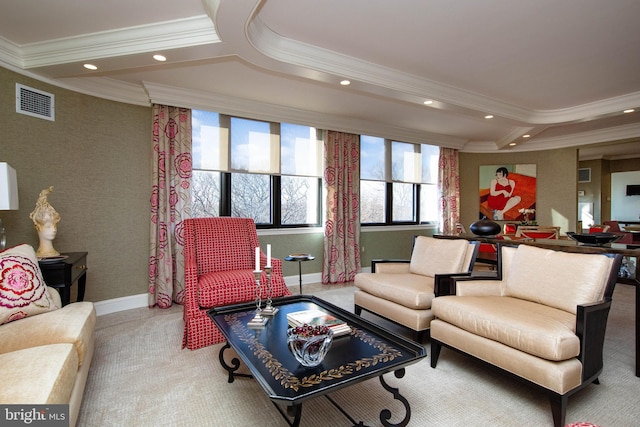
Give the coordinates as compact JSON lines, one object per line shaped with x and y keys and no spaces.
{"x":342,"y":223}
{"x":170,"y":203}
{"x":449,"y":190}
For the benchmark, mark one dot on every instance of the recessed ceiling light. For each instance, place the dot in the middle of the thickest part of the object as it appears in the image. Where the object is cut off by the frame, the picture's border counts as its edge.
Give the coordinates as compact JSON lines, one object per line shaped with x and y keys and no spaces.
{"x":630,"y":110}
{"x":526,"y":136}
{"x":90,"y":67}
{"x":160,"y":57}
{"x":428,"y":102}
{"x":512,"y":144}
{"x":488,"y":116}
{"x":345,"y":82}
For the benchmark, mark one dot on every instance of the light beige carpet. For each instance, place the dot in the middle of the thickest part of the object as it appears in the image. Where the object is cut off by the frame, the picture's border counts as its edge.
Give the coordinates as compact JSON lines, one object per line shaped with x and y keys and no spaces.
{"x":140,"y":376}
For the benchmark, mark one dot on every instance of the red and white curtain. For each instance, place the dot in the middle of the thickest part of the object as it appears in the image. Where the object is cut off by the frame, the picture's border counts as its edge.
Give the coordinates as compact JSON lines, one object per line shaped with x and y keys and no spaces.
{"x":449,"y":190}
{"x":342,"y":224}
{"x":170,"y":203}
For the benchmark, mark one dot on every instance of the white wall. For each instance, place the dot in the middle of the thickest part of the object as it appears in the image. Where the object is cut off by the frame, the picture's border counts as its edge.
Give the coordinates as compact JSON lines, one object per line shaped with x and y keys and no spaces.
{"x":623,"y":207}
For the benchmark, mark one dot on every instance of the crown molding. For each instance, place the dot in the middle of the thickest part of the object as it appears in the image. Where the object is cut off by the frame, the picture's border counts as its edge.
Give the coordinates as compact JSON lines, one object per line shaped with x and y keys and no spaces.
{"x":575,"y":140}
{"x":114,"y":90}
{"x":616,"y":133}
{"x":168,"y":95}
{"x":193,"y":31}
{"x":100,"y":87}
{"x":10,"y":53}
{"x":414,"y":88}
{"x":331,"y":63}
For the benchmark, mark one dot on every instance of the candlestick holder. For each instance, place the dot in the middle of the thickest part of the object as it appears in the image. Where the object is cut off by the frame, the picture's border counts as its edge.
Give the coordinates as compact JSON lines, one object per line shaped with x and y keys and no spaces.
{"x":258,"y":320}
{"x":269,"y":310}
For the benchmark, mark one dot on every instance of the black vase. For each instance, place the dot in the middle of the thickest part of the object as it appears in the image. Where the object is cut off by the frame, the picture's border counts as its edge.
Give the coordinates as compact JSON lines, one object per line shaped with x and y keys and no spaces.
{"x":485,"y":227}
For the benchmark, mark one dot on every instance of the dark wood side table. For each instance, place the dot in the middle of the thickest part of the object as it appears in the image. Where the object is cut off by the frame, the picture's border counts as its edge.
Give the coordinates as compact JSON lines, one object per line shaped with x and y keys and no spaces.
{"x":64,"y":273}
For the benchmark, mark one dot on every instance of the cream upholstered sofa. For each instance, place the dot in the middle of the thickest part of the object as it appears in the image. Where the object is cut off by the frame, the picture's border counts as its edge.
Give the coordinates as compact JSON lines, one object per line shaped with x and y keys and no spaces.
{"x":45,"y":349}
{"x":402,"y":290}
{"x":542,"y":320}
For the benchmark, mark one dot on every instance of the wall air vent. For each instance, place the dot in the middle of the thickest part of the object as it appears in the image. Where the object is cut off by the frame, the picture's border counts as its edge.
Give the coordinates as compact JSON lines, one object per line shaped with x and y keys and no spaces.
{"x":34,"y":102}
{"x":584,"y":175}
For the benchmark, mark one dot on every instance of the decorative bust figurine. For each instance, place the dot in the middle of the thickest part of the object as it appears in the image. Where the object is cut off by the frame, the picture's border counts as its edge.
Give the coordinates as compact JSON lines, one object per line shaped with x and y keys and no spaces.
{"x":45,"y":219}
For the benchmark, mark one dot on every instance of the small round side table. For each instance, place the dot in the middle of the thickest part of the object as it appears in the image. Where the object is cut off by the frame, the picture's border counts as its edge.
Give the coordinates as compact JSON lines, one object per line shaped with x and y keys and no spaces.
{"x":299,"y":258}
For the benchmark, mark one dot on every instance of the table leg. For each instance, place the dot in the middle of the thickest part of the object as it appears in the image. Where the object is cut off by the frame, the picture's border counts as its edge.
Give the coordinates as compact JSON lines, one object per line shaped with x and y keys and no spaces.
{"x":385,"y":415}
{"x":65,"y":294}
{"x":235,"y":364}
{"x":82,"y":283}
{"x":300,"y":275}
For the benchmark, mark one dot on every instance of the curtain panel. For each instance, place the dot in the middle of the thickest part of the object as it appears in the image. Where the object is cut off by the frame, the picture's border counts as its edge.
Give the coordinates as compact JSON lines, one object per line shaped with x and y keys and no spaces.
{"x":342,"y":224}
{"x":449,"y":190}
{"x":170,"y":203}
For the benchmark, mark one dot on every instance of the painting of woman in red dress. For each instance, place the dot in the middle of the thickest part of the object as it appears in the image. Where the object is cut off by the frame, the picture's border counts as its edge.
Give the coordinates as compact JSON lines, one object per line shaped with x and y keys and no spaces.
{"x":501,"y":197}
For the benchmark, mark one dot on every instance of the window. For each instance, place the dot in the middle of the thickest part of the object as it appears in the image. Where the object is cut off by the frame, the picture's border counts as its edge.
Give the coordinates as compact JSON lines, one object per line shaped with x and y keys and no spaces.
{"x":270,"y":172}
{"x":398,"y":182}
{"x":429,"y":184}
{"x":373,"y":173}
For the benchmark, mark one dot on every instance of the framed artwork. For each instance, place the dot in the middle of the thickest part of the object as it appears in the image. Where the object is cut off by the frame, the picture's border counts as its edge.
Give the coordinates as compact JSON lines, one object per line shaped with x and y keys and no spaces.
{"x":508,"y":192}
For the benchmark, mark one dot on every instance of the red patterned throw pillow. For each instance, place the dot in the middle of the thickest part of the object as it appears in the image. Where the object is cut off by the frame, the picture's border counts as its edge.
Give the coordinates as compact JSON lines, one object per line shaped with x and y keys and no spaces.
{"x":22,"y":289}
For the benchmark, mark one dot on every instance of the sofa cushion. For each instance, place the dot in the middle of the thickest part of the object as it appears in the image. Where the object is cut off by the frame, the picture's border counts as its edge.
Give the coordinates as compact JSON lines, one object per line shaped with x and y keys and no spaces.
{"x":228,"y":287}
{"x":73,"y":324}
{"x":534,"y":275}
{"x":22,"y":289}
{"x":410,"y":290}
{"x":433,"y":256}
{"x":533,"y":328}
{"x":38,"y":375}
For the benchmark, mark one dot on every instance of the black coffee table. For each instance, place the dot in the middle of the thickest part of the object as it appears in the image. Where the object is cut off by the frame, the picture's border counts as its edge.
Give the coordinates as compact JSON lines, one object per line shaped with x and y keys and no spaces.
{"x":369,"y":351}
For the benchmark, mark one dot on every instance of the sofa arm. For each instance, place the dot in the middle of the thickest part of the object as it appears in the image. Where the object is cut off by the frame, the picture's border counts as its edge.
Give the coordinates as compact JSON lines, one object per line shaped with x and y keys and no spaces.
{"x":475,"y":287}
{"x":55,"y":296}
{"x":478,"y":286}
{"x":444,"y":284}
{"x":390,"y":266}
{"x":74,"y":324}
{"x":591,"y":324}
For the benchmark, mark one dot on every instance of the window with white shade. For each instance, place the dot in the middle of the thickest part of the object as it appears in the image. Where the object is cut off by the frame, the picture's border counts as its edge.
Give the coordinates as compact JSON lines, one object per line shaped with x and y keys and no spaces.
{"x":267,"y":171}
{"x":398,"y":182}
{"x":272,"y":172}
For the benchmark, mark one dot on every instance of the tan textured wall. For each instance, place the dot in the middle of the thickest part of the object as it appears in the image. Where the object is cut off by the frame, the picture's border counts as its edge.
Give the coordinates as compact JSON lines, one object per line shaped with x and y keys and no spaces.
{"x":557,"y":179}
{"x":96,"y":154}
{"x":595,"y":192}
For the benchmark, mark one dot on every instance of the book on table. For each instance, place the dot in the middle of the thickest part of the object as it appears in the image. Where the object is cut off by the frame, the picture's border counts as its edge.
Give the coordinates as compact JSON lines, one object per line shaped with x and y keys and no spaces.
{"x":316,"y":317}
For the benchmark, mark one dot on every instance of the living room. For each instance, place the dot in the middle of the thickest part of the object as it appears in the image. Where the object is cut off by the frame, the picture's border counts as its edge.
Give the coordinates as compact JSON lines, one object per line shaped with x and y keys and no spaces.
{"x":96,"y":155}
{"x":100,"y":185}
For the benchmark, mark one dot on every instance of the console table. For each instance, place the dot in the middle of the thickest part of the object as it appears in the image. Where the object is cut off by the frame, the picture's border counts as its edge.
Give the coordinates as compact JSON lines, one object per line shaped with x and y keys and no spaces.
{"x":64,"y":273}
{"x":630,"y":250}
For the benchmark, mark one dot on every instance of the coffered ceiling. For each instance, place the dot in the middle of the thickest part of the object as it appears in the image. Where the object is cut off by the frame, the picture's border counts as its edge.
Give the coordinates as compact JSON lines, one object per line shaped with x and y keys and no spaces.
{"x":561,"y":72}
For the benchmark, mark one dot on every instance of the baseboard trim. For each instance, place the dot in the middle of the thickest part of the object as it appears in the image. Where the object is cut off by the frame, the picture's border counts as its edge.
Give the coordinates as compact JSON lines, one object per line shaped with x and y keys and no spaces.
{"x":294,"y":281}
{"x":121,"y":304}
{"x":142,"y":300}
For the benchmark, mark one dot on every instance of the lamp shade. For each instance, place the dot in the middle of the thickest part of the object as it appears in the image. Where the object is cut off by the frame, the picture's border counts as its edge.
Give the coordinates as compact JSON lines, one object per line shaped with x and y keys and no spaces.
{"x":8,"y":188}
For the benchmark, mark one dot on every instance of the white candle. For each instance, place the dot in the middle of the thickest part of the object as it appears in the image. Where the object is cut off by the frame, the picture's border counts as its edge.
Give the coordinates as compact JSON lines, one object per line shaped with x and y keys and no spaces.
{"x":268,"y":255}
{"x":257,"y":259}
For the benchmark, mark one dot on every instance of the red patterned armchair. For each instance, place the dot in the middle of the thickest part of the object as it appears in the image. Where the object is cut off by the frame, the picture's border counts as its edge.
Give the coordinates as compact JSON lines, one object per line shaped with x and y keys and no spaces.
{"x":219,"y":256}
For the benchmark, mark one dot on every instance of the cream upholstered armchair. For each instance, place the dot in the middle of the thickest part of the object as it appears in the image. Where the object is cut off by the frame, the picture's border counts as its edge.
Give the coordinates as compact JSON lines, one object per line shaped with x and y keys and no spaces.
{"x":219,"y":258}
{"x":542,"y":320}
{"x":402,"y":290}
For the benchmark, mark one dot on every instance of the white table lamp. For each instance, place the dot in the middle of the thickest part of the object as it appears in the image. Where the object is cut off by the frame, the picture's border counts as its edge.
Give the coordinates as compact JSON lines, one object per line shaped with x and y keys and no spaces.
{"x":8,"y":195}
